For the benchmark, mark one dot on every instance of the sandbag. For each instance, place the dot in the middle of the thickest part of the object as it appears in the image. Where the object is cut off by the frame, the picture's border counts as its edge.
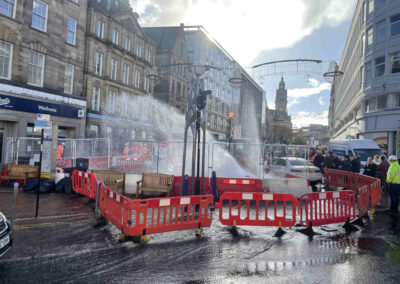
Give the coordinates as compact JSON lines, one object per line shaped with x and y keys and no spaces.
{"x":46,"y":186}
{"x":60,"y":186}
{"x":31,"y":185}
{"x":68,"y":185}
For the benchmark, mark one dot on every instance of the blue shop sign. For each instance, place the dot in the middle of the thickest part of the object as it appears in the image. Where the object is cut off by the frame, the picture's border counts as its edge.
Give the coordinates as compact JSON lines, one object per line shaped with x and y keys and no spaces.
{"x":27,"y":105}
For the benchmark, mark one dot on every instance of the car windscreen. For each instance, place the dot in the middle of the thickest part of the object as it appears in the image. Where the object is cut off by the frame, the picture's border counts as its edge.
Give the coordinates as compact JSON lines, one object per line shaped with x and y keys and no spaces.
{"x":365,"y":153}
{"x":299,"y":163}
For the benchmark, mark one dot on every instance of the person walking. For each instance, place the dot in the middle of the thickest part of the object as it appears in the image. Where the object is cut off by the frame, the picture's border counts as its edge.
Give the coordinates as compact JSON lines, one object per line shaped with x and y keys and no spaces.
{"x":355,"y":164}
{"x":393,"y":179}
{"x":370,"y":168}
{"x":60,"y":150}
{"x":381,"y":172}
{"x":346,"y":164}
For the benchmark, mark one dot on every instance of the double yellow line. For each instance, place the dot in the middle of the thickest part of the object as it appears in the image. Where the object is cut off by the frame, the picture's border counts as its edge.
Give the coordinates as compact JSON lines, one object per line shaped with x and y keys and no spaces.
{"x":43,"y":225}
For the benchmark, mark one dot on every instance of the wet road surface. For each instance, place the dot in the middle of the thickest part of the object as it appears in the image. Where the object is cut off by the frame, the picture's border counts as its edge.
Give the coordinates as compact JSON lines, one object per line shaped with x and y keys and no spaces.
{"x":76,"y":250}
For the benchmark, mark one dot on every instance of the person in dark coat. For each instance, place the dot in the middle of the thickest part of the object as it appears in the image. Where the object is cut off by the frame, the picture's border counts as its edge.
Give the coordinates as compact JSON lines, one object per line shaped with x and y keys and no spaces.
{"x":328,"y":160}
{"x":346,"y":164}
{"x":370,"y":168}
{"x":355,"y":164}
{"x":318,"y":161}
{"x":335,"y":161}
{"x":381,"y":172}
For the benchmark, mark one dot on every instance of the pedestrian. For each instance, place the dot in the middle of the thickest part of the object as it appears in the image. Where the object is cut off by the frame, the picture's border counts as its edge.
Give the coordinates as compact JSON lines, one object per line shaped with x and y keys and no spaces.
{"x":346,"y":164}
{"x":328,"y":160}
{"x":335,"y":161}
{"x":381,"y":172}
{"x":393,"y":179}
{"x":60,"y":150}
{"x":355,"y":164}
{"x":370,"y":168}
{"x":318,"y":161}
{"x":377,"y":160}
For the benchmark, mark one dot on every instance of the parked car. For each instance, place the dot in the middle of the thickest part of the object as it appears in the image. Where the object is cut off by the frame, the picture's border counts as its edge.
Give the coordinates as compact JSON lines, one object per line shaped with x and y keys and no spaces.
{"x":6,"y":237}
{"x":291,"y":167}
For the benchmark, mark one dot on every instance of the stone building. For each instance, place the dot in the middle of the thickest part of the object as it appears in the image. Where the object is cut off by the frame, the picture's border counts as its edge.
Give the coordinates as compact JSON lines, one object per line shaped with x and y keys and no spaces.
{"x":118,"y":59}
{"x":42,"y":47}
{"x":171,"y":52}
{"x":278,"y":122}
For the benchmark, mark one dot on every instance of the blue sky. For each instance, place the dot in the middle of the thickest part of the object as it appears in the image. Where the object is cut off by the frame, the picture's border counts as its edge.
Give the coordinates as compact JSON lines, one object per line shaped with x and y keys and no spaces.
{"x":257,"y":31}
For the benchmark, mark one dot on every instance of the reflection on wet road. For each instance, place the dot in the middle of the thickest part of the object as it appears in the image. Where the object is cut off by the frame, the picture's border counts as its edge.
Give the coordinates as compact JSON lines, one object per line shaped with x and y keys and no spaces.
{"x":78,"y":252}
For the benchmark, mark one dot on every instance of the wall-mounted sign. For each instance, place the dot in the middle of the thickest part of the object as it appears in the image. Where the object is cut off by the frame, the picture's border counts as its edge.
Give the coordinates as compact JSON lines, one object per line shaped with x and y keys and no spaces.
{"x":33,"y":106}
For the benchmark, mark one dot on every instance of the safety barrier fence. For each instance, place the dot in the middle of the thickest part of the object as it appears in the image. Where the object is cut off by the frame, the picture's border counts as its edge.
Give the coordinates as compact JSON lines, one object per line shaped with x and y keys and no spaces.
{"x":257,"y":209}
{"x":157,"y":215}
{"x":366,"y":188}
{"x":327,"y":208}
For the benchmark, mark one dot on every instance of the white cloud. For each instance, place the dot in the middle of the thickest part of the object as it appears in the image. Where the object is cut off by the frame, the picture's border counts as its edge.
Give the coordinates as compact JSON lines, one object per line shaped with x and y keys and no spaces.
{"x":313,"y":82}
{"x":306,"y":118}
{"x":259,"y":24}
{"x":306,"y":92}
{"x":321,"y":101}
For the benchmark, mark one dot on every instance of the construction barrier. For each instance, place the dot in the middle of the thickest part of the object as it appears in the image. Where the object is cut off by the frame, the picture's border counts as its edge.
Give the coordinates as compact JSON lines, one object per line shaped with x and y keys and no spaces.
{"x":158,"y":215}
{"x":339,"y":178}
{"x":84,"y":183}
{"x":363,"y":200}
{"x":257,"y":209}
{"x":375,"y":193}
{"x":238,"y":185}
{"x":327,"y":208}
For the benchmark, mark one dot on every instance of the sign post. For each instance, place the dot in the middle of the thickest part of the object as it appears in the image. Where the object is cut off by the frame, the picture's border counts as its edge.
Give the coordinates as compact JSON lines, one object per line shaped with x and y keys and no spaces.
{"x":41,"y":124}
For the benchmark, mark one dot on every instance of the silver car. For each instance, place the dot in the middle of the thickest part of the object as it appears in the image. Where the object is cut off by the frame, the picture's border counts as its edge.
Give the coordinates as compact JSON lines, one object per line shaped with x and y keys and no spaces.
{"x":6,"y":237}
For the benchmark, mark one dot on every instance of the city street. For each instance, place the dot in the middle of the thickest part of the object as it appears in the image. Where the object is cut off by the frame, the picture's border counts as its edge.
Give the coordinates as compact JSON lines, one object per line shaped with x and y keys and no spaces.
{"x":80,"y":249}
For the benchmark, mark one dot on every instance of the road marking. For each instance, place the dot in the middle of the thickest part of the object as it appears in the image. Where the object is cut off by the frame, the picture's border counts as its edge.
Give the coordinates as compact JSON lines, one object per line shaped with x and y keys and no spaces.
{"x":43,"y":225}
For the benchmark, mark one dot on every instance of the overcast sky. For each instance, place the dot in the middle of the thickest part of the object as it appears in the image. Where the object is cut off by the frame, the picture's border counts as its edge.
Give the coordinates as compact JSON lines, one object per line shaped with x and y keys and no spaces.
{"x":257,"y":31}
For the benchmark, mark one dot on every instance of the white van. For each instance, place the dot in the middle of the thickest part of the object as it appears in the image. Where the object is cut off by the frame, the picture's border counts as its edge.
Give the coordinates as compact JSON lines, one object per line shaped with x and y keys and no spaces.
{"x":363,"y":148}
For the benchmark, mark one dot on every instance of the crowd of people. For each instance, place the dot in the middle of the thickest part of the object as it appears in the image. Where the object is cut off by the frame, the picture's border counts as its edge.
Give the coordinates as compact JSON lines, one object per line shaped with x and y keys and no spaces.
{"x":378,"y":167}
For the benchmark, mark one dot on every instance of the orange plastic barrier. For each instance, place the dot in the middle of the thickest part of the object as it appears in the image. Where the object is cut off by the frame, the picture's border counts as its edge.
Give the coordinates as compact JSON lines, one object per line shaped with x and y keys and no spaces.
{"x":257,"y":209}
{"x":363,"y":200}
{"x":339,"y":178}
{"x":112,"y":205}
{"x":375,"y":191}
{"x":157,"y":215}
{"x":327,"y":208}
{"x":84,"y":183}
{"x":361,"y":180}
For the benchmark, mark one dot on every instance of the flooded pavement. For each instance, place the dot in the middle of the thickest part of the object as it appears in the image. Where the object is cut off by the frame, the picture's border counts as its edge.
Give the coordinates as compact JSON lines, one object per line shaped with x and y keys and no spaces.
{"x":80,"y":250}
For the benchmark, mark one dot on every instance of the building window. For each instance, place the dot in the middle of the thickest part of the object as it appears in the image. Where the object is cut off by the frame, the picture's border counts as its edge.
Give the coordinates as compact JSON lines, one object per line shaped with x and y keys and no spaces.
{"x":146,"y":84}
{"x":36,"y":68}
{"x":370,"y":105}
{"x":94,"y":131}
{"x":380,"y":3}
{"x":124,"y":104}
{"x":381,"y":102}
{"x":98,"y":63}
{"x":125,"y":77}
{"x":127,"y":44}
{"x":114,"y":67}
{"x":39,"y":15}
{"x":362,"y":45}
{"x":395,"y":63}
{"x":6,"y":53}
{"x":75,"y":1}
{"x":96,"y":99}
{"x":115,"y":35}
{"x":137,"y":79}
{"x":395,"y":25}
{"x":111,"y":102}
{"x":371,"y":7}
{"x":370,"y":36}
{"x":381,"y":31}
{"x":100,"y":29}
{"x":368,"y":72}
{"x":379,"y":66}
{"x":138,"y":50}
{"x":148,"y":55}
{"x":69,"y":79}
{"x":7,"y":8}
{"x":71,"y":31}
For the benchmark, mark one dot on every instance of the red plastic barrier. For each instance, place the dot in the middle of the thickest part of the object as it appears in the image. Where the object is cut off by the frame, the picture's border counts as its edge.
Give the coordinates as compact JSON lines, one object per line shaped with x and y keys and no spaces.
{"x":340,"y":178}
{"x":361,"y":180}
{"x":84,"y":183}
{"x":327,"y":208}
{"x":112,"y":205}
{"x":157,"y":215}
{"x":252,"y":209}
{"x":363,"y":200}
{"x":375,"y":191}
{"x":238,"y":185}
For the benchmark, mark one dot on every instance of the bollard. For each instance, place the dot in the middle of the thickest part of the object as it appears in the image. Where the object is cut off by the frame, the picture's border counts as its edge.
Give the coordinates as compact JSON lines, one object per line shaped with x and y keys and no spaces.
{"x":96,"y":208}
{"x":185,"y":185}
{"x":15,"y":193}
{"x":214,"y":186}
